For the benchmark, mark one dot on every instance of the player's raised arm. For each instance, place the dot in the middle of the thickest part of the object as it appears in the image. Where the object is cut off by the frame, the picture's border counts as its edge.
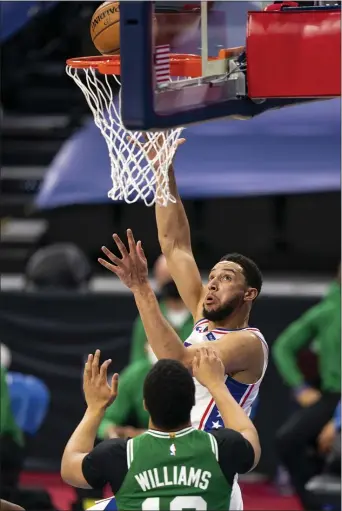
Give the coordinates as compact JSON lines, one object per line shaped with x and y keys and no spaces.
{"x":99,"y":395}
{"x":209,"y":370}
{"x":175,"y":243}
{"x":132,"y":270}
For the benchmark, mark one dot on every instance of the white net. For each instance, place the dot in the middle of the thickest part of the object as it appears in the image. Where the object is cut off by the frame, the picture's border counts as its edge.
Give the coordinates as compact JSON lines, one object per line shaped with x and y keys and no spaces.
{"x":139,"y":161}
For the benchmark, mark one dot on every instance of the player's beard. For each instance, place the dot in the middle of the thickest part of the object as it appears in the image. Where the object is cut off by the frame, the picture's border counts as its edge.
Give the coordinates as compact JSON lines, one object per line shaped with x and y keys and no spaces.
{"x":223,"y":312}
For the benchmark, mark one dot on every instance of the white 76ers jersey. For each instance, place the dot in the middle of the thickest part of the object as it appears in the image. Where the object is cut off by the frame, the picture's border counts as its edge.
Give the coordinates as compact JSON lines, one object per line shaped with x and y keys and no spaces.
{"x":205,"y":414}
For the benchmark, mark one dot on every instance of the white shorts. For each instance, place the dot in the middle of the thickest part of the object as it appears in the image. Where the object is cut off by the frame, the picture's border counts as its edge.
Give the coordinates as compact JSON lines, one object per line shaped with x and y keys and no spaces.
{"x":236,"y":502}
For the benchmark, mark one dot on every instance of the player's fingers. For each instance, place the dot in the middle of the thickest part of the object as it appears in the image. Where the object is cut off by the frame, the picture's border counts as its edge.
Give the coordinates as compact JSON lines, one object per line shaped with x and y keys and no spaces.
{"x":120,"y":245}
{"x":115,"y":384}
{"x":211,"y":354}
{"x":196,"y":364}
{"x":89,"y":360}
{"x":131,"y":243}
{"x":196,"y":359}
{"x":95,"y":364}
{"x":217,"y":356}
{"x":205,"y":352}
{"x":141,"y":252}
{"x":112,"y":257}
{"x":109,"y":266}
{"x":202,"y":355}
{"x":87,"y":367}
{"x":181,"y":141}
{"x":104,"y":368}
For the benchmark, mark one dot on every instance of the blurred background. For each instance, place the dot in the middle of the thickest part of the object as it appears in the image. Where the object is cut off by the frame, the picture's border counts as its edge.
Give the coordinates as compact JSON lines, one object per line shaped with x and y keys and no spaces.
{"x":268,"y":188}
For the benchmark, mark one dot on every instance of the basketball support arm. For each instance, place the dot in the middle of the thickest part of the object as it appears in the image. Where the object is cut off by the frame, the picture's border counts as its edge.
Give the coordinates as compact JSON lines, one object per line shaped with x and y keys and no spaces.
{"x":293,"y":56}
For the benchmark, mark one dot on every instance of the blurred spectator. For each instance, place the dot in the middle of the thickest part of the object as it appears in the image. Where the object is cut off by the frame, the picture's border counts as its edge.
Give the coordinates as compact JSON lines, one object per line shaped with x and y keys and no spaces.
{"x":129,"y":403}
{"x":330,"y":433}
{"x":310,"y":427}
{"x":325,"y":488}
{"x":61,"y":266}
{"x":329,"y":443}
{"x":11,"y":444}
{"x":171,"y":306}
{"x":5,"y":356}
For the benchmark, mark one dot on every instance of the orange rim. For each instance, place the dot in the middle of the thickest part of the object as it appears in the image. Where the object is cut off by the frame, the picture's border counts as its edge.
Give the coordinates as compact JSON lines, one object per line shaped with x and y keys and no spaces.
{"x":180,"y":64}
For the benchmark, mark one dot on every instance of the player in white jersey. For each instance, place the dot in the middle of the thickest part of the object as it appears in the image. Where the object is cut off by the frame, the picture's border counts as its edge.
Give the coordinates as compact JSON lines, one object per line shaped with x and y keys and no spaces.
{"x":220,"y":309}
{"x":243,"y":349}
{"x":205,"y":414}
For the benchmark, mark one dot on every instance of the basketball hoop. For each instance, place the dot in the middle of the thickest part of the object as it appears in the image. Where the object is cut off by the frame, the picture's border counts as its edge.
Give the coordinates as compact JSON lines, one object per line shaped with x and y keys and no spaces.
{"x":139,"y":161}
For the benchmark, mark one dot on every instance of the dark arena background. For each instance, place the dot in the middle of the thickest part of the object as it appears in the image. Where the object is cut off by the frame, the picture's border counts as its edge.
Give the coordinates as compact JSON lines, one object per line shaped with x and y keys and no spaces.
{"x":268,"y":188}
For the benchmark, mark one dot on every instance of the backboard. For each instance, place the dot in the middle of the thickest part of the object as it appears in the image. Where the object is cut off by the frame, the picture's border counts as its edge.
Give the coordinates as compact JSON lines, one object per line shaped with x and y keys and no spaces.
{"x":199,"y":29}
{"x":221,"y":90}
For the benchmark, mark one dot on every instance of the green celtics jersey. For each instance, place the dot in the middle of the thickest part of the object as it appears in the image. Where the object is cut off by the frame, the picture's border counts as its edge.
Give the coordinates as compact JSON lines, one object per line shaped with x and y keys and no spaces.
{"x":173,"y":471}
{"x":187,"y":470}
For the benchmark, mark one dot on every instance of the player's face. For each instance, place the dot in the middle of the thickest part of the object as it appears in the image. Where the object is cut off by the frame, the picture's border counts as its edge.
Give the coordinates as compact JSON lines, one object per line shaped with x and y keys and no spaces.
{"x":225,"y":291}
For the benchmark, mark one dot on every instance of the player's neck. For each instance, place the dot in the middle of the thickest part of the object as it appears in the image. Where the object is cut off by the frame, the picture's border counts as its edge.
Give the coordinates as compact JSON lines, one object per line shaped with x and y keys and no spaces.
{"x":184,"y":426}
{"x":235,"y":321}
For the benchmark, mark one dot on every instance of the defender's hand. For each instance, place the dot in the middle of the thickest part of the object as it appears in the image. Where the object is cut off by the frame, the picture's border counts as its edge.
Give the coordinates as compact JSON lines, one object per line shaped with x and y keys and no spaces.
{"x":207,"y":367}
{"x":132,"y":267}
{"x":98,"y":394}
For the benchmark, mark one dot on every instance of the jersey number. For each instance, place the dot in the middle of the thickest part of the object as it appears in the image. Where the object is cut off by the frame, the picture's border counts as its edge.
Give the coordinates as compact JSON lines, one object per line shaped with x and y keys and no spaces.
{"x":176,"y":504}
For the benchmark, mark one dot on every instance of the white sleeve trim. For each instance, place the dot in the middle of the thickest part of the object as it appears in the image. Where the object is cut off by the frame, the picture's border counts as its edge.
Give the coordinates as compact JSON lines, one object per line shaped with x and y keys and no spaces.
{"x":129,"y":450}
{"x":214,"y":446}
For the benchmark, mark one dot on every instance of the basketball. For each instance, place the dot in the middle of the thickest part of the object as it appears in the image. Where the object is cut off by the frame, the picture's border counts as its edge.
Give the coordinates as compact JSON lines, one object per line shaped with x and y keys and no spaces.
{"x":105,"y":28}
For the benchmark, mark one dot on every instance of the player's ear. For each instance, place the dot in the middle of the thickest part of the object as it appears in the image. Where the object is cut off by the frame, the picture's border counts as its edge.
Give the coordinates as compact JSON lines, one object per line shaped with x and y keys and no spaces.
{"x":250,"y":294}
{"x":144,"y":405}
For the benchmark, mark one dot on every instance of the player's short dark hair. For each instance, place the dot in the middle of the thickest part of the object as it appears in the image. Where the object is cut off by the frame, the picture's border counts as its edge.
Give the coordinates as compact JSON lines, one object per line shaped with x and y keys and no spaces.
{"x":250,"y":269}
{"x":169,"y":394}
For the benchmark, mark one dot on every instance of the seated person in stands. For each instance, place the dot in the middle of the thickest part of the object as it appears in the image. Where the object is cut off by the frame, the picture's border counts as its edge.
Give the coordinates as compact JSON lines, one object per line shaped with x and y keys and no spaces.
{"x":329,"y":443}
{"x":297,"y":438}
{"x":58,"y":267}
{"x":11,"y":445}
{"x":325,"y":488}
{"x":171,"y":306}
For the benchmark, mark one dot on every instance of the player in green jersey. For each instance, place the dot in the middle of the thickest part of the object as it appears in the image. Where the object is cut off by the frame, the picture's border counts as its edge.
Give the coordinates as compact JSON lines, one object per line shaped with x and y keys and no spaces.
{"x":172,"y":466}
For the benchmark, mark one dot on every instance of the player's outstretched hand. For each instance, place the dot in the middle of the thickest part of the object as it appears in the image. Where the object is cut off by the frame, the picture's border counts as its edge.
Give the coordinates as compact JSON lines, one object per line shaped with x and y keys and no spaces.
{"x":97,"y":392}
{"x":132,"y":267}
{"x":207,"y":367}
